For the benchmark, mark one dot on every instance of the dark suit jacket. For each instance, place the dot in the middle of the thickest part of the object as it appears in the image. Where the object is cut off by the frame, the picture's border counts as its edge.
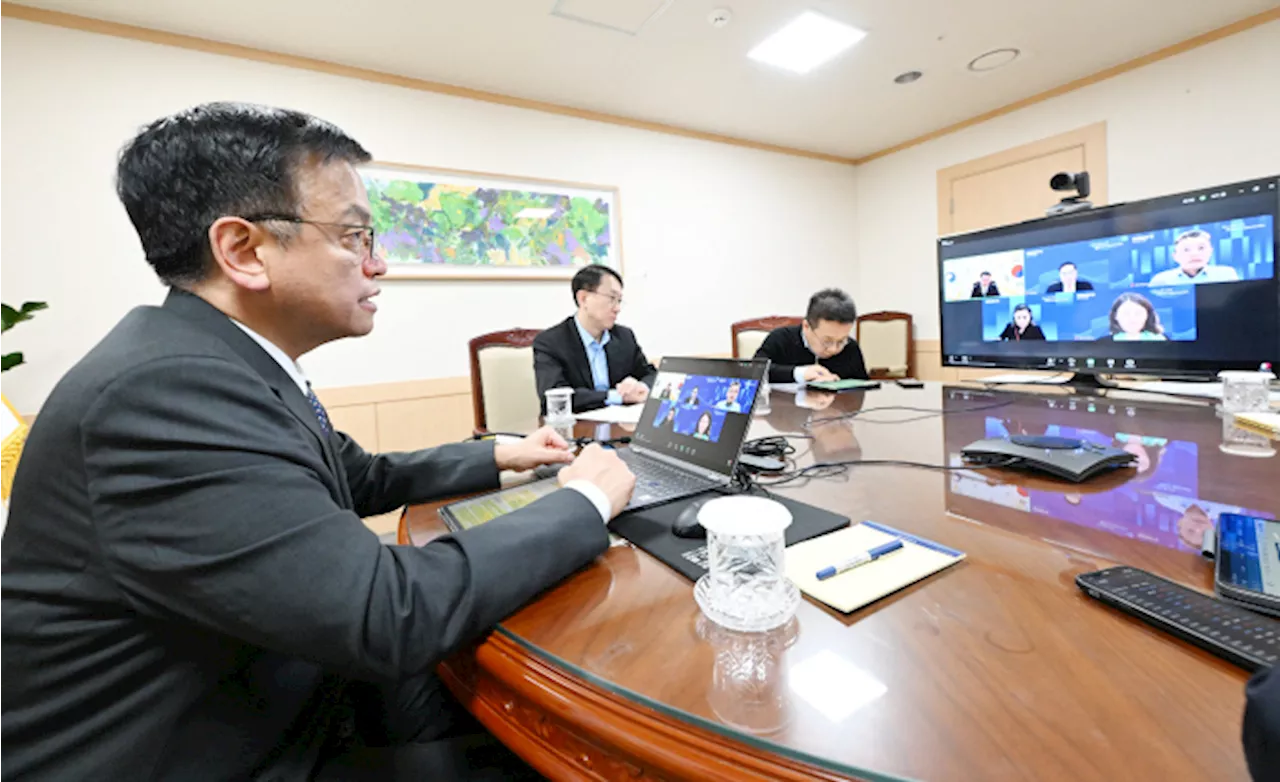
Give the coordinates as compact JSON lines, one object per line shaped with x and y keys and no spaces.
{"x":186,"y":579}
{"x":1081,"y":285}
{"x":1262,"y":725}
{"x":976,"y":293}
{"x":784,"y":347}
{"x":560,"y":361}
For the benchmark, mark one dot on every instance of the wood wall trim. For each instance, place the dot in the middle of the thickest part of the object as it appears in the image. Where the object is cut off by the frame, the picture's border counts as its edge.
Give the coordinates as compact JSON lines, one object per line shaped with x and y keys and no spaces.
{"x":148,"y":35}
{"x":1248,"y":23}
{"x":345,"y":396}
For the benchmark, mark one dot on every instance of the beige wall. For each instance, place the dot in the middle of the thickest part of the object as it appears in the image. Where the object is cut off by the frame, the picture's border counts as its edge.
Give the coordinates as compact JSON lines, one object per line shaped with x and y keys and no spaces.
{"x":760,"y":230}
{"x":1204,"y":117}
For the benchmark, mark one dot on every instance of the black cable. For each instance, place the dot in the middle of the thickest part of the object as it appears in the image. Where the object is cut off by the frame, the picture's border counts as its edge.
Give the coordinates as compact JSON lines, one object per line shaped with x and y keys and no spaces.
{"x":775,"y":446}
{"x":929,"y":412}
{"x":834,"y":469}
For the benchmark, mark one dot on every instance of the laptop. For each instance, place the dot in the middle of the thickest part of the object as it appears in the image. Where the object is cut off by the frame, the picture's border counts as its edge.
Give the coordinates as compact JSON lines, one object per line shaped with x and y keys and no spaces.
{"x":692,"y":429}
{"x":687,"y":442}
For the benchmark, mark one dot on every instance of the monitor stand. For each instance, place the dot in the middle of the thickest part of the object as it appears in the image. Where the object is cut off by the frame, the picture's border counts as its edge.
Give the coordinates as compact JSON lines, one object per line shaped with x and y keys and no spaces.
{"x":1089,"y":383}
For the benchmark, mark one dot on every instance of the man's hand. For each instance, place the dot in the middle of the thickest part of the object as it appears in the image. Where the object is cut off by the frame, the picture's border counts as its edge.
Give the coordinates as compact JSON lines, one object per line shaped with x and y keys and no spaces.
{"x":632,"y":390}
{"x":602,"y":468}
{"x":542,"y":447}
{"x":819,"y":373}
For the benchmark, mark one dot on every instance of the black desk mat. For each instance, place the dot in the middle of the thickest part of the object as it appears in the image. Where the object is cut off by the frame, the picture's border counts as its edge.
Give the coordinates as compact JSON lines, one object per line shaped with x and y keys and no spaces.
{"x":650,"y":529}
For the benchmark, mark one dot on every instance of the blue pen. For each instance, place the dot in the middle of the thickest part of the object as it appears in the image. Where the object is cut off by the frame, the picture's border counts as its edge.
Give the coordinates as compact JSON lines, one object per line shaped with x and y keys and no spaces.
{"x":860,"y":559}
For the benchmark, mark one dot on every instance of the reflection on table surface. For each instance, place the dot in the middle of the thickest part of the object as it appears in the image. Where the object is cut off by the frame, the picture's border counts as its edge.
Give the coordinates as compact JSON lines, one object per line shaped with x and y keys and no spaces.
{"x":996,"y":668}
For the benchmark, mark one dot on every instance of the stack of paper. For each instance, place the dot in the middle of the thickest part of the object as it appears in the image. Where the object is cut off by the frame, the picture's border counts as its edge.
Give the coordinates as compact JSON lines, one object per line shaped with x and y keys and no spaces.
{"x":1267,"y":423}
{"x":614,"y":414}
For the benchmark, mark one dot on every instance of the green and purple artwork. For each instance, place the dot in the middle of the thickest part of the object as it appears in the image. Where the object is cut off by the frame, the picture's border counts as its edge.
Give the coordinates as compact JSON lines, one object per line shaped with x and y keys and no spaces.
{"x":449,"y":224}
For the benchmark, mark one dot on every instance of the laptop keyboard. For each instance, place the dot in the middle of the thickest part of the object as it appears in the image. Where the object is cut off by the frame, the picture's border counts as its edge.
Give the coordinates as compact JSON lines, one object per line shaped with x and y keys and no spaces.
{"x":657,"y":482}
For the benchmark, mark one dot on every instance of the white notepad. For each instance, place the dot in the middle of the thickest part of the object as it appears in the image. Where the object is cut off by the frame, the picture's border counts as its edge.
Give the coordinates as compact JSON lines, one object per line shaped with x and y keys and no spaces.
{"x":848,"y":591}
{"x":613,"y":414}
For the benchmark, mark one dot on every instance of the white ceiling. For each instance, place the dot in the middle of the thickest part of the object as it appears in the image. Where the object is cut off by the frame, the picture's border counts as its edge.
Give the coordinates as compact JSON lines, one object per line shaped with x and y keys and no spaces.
{"x":681,"y":71}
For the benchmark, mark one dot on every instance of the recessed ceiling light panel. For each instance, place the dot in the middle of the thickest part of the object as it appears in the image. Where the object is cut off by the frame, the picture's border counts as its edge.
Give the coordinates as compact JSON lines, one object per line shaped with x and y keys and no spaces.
{"x":806,"y":42}
{"x":996,"y":58}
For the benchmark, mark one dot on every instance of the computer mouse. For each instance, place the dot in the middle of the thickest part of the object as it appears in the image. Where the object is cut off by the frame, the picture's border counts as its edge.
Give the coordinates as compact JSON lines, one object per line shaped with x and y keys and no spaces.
{"x":686,"y":524}
{"x":544,"y":471}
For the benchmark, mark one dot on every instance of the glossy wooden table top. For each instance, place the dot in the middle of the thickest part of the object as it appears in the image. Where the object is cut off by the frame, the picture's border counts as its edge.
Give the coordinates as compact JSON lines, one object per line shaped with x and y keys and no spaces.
{"x":998,"y":668}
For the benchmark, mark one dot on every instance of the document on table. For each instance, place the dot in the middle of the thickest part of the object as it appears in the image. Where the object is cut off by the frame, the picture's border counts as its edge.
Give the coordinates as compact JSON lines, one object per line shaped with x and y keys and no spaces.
{"x":614,"y":414}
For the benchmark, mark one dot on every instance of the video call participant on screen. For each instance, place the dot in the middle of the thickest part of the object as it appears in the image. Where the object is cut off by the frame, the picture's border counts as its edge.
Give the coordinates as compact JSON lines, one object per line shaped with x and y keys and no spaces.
{"x":692,"y":399}
{"x":820,"y":347}
{"x":1193,"y":250}
{"x":667,"y":419}
{"x":1068,"y":280}
{"x":702,"y":431}
{"x":730,"y":401}
{"x":589,"y":352}
{"x":1133,"y":319}
{"x":1021,"y":328}
{"x":985,"y":286}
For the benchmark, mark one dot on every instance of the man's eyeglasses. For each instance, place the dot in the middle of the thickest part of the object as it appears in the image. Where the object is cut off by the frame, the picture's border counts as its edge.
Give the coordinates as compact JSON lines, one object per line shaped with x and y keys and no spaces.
{"x":355,"y":238}
{"x":827,"y":344}
{"x":615,"y":301}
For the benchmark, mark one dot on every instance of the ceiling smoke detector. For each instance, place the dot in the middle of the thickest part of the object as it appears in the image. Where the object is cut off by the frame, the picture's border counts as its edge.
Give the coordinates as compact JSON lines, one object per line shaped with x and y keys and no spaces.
{"x":720,"y":18}
{"x":907,"y":78}
{"x":996,"y":58}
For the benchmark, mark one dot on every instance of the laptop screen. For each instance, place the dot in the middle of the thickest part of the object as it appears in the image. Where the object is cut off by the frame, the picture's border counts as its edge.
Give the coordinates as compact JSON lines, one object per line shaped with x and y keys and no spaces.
{"x":699,"y":410}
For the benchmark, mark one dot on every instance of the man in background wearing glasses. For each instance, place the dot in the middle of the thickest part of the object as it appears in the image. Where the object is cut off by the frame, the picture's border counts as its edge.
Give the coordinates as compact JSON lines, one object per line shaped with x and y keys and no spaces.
{"x":589,"y":352}
{"x":188,"y":590}
{"x":820,"y":348}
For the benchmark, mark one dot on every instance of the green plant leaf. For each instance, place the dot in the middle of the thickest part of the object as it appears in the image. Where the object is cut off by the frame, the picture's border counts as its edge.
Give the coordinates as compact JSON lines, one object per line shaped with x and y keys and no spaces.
{"x":12,"y":316}
{"x":10,"y":360}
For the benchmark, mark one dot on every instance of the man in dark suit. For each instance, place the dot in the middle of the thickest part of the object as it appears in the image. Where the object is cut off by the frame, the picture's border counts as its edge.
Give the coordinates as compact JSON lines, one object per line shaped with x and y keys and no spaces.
{"x":1262,"y":725}
{"x":821,"y":347}
{"x":188,"y":590}
{"x":985,"y":286}
{"x":589,"y":352}
{"x":1068,"y":280}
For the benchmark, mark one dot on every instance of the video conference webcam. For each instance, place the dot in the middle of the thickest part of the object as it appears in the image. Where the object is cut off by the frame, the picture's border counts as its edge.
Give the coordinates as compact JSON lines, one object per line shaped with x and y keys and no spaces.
{"x":1078,"y":182}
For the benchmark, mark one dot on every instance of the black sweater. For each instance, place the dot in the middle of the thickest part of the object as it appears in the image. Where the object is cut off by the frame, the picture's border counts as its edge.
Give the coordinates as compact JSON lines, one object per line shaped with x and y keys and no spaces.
{"x":785,"y":348}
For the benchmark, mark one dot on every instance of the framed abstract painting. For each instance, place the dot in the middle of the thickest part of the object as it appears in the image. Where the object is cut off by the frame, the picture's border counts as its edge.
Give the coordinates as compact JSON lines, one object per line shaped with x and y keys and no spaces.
{"x":442,"y":224}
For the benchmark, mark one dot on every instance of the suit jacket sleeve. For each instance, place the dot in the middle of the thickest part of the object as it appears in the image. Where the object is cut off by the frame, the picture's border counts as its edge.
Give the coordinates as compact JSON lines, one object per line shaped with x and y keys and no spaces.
{"x":211,"y":505}
{"x":383,"y":482}
{"x":641,"y":369}
{"x":550,"y":371}
{"x":1262,"y":723}
{"x":774,"y":349}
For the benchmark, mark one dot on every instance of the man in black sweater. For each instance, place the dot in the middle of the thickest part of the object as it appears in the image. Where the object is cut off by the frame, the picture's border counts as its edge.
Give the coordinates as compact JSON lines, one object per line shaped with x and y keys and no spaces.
{"x":820,"y":348}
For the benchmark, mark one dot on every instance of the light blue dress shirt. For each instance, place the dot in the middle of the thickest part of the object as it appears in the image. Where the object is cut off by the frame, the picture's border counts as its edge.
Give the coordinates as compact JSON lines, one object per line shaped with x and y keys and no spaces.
{"x":599,"y":362}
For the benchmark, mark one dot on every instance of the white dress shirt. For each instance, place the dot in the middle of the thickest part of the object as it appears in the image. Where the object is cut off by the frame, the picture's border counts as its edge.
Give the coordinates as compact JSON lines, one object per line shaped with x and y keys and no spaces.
{"x":594,"y":494}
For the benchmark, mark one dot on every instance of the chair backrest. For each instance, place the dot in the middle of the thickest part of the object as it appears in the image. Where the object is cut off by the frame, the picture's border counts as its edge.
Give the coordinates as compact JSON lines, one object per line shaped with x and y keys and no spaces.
{"x":13,"y":434}
{"x":504,"y":393}
{"x":886,"y":342}
{"x":747,"y":335}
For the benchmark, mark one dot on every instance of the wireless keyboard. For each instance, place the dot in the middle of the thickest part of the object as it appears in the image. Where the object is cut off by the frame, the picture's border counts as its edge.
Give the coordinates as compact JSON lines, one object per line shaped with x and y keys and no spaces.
{"x":1242,"y":637}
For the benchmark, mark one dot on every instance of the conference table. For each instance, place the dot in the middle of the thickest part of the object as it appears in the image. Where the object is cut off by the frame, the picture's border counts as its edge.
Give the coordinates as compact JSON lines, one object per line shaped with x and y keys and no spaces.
{"x":996,"y":668}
